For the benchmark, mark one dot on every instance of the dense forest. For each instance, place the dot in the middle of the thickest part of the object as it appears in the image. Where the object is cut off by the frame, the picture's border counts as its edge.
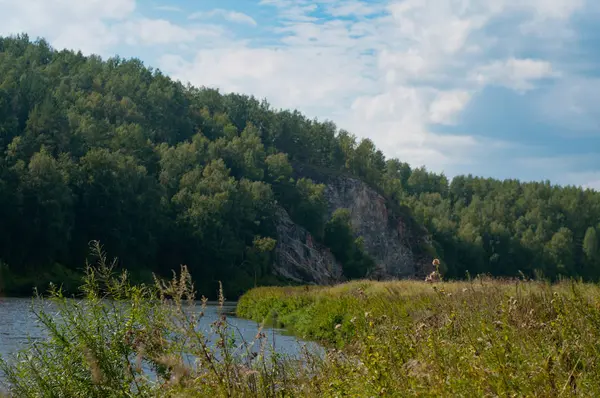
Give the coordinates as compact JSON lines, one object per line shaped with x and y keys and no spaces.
{"x":164,"y":174}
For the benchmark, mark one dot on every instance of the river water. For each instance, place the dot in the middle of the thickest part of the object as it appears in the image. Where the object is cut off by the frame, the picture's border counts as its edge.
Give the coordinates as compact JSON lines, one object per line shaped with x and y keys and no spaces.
{"x":18,"y":324}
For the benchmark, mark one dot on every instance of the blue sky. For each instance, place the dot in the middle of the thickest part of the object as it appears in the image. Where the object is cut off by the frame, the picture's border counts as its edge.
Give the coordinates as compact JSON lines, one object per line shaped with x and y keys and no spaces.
{"x":506,"y":89}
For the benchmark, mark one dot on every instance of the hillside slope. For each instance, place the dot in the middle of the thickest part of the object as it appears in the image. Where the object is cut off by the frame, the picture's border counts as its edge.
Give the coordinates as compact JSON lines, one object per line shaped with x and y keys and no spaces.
{"x":165,"y":174}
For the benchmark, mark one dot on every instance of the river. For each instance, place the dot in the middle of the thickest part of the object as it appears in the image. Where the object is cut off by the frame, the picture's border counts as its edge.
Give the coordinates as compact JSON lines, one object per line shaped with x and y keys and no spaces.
{"x":18,"y":324}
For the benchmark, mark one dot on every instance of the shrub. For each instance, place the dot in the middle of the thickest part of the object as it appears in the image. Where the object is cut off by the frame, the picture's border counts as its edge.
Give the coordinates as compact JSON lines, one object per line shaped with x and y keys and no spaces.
{"x":121,"y":340}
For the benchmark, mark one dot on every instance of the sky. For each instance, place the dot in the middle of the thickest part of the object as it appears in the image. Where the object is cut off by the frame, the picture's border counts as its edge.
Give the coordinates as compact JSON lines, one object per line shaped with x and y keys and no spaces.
{"x":503,"y":88}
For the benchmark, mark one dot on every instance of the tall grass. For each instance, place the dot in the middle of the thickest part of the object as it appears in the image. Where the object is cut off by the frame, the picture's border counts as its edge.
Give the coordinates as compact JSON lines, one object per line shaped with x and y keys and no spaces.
{"x":479,"y":338}
{"x":121,"y":340}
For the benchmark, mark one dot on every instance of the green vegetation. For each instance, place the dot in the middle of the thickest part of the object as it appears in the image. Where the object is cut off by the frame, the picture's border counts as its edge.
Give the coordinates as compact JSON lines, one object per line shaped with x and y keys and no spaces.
{"x":166,"y":174}
{"x":339,"y":237}
{"x":485,"y":337}
{"x":124,"y":340}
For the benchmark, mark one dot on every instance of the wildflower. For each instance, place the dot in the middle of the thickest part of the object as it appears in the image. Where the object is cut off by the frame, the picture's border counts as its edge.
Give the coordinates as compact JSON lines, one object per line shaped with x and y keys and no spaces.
{"x":353,"y":319}
{"x":433,"y":277}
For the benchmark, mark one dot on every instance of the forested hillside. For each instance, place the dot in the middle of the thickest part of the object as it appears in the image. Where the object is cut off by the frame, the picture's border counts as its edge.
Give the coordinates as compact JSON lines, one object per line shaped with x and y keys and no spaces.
{"x":164,"y":174}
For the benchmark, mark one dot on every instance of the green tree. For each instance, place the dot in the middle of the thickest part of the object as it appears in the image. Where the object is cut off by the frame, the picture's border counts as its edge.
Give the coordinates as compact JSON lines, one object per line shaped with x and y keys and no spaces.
{"x":560,"y":250}
{"x":590,"y":250}
{"x":311,"y":206}
{"x":47,"y":200}
{"x":118,"y":204}
{"x":164,"y":174}
{"x":590,"y":244}
{"x":348,"y":250}
{"x":279,"y":169}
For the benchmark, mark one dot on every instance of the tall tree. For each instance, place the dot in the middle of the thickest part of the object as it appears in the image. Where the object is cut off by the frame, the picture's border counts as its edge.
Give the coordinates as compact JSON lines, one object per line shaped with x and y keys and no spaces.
{"x":164,"y":174}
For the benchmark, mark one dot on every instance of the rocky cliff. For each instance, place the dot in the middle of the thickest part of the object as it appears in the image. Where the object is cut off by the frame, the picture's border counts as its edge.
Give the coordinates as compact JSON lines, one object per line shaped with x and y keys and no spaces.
{"x":394,"y":242}
{"x":393,"y":239}
{"x":300,"y":258}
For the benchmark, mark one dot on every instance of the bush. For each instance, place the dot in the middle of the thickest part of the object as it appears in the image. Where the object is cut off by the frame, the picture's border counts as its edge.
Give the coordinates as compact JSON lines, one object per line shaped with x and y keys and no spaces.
{"x":121,"y":340}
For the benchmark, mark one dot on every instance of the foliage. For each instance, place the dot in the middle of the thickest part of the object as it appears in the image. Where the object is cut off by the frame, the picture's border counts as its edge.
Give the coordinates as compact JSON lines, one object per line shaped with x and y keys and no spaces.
{"x":339,"y":237}
{"x":485,"y":337}
{"x":590,"y":250}
{"x":166,"y":174}
{"x":124,"y":340}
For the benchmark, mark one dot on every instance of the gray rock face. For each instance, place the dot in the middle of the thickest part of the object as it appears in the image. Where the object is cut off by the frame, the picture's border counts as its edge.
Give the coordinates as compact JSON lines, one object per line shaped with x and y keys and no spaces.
{"x":387,"y":238}
{"x":300,"y":258}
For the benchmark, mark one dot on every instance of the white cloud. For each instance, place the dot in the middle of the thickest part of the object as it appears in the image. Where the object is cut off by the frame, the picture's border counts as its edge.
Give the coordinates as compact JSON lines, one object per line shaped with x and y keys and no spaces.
{"x":397,"y":122}
{"x":555,"y":9}
{"x":518,"y":74}
{"x":294,"y":10}
{"x":95,"y":26}
{"x":433,"y":26}
{"x":74,"y":24}
{"x":231,"y":16}
{"x":117,"y":9}
{"x":447,"y":104}
{"x":594,"y":184}
{"x":387,"y":76}
{"x":403,"y":103}
{"x":584,"y":179}
{"x":566,"y":169}
{"x":572,"y":104}
{"x":168,"y":8}
{"x":548,"y":19}
{"x":537,"y":9}
{"x":289,"y":78}
{"x":405,"y":64}
{"x":388,"y":69}
{"x":160,"y":31}
{"x":352,"y":8}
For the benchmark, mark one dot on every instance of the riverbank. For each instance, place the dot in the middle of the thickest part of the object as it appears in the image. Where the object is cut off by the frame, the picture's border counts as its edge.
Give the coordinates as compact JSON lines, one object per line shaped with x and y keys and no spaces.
{"x":124,"y":339}
{"x":479,"y":338}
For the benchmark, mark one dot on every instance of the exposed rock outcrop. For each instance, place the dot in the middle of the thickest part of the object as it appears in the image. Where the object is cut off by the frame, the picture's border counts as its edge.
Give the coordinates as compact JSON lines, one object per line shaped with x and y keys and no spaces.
{"x":391,"y":236}
{"x":393,"y":242}
{"x":299,"y":257}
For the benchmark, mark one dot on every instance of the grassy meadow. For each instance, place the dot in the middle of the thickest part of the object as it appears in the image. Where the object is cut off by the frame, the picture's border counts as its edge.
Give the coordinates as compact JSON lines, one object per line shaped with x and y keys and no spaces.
{"x":494,"y":338}
{"x":484,"y":337}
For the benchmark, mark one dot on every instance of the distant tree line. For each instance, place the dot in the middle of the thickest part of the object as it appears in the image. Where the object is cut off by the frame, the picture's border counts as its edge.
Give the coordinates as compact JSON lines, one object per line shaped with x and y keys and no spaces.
{"x":166,"y":174}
